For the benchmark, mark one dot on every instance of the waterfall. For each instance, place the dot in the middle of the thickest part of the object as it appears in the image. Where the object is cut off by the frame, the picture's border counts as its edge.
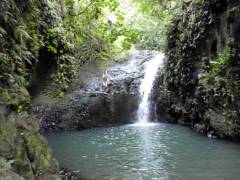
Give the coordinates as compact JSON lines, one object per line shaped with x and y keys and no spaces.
{"x":145,"y":89}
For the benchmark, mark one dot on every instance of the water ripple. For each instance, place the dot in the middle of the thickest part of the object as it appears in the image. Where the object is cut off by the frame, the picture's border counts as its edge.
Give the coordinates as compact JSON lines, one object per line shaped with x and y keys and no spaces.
{"x":158,"y":152}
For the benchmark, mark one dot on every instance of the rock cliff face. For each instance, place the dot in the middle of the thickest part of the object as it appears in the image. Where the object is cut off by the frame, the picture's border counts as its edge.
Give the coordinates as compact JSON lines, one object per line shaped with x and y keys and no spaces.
{"x":201,"y":79}
{"x":89,"y":105}
{"x":24,"y":25}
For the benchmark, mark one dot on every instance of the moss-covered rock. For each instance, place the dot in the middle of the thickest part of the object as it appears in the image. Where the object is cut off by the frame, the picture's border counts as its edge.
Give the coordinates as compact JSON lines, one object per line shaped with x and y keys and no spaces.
{"x":22,"y":144}
{"x":201,"y":77}
{"x":26,"y":48}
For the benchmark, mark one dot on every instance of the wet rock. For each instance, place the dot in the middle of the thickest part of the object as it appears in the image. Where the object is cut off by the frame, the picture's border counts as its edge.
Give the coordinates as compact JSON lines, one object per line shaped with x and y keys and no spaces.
{"x":93,"y":106}
{"x":200,"y":128}
{"x":10,"y":175}
{"x":70,"y":175}
{"x":6,"y":171}
{"x":223,"y":127}
{"x":49,"y":177}
{"x":27,"y":152}
{"x":212,"y":135}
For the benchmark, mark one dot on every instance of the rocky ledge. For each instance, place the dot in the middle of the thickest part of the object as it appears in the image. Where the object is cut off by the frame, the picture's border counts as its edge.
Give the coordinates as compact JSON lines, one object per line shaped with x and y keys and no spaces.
{"x":89,"y":105}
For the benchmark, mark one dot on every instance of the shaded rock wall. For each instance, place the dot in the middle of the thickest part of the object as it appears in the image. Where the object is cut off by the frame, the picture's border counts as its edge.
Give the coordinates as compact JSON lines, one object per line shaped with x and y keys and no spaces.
{"x":24,"y":27}
{"x":200,"y":85}
{"x":88,"y":110}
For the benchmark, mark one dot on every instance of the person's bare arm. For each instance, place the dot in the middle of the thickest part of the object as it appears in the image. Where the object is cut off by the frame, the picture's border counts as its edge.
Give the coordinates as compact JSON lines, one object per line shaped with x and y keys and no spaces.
{"x":109,"y":77}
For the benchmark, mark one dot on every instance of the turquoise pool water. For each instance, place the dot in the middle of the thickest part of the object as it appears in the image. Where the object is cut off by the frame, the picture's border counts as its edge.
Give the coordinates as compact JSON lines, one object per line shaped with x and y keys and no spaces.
{"x":159,"y":152}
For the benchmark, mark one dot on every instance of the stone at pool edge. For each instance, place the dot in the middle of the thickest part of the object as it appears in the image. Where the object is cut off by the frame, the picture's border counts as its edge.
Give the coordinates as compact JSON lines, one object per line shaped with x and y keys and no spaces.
{"x":50,"y":177}
{"x":70,"y":175}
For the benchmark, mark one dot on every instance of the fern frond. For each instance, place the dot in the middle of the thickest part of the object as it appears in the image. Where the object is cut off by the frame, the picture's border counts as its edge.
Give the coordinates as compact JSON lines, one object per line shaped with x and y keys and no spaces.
{"x":21,"y":34}
{"x":2,"y":32}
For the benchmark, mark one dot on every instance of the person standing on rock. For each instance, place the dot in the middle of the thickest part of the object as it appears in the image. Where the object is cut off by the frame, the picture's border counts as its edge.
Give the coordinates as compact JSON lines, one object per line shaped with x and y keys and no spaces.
{"x":106,"y":78}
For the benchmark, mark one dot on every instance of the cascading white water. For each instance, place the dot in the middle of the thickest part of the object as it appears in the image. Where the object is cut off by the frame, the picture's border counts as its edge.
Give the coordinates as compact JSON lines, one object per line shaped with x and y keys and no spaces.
{"x":151,"y":69}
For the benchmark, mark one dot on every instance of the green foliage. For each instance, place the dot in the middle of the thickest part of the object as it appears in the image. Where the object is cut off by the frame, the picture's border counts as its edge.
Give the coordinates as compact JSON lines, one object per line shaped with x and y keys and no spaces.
{"x":152,"y":20}
{"x":72,"y":32}
{"x":231,"y":114}
{"x":66,"y":64}
{"x":87,"y":30}
{"x":52,"y":41}
{"x":21,"y":34}
{"x":98,"y":22}
{"x":2,"y":32}
{"x":218,"y":66}
{"x":221,"y":61}
{"x":131,"y":36}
